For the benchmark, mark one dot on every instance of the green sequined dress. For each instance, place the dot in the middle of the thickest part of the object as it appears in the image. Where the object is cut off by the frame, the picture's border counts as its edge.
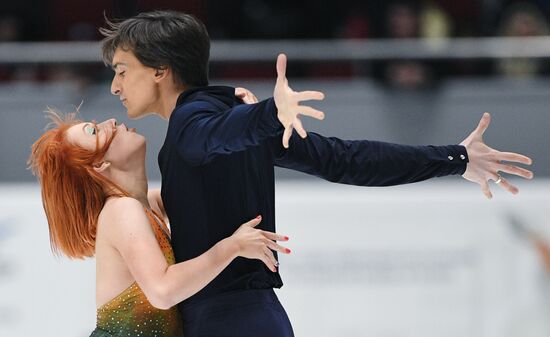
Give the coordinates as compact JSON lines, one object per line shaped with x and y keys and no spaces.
{"x":131,"y":314}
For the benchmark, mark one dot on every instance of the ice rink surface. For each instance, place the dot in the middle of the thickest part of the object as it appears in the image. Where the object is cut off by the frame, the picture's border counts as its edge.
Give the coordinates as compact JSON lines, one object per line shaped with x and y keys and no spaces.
{"x":429,"y":259}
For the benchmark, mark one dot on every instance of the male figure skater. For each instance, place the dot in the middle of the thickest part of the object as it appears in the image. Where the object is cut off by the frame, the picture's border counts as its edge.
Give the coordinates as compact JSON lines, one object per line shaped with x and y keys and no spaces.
{"x":218,"y":159}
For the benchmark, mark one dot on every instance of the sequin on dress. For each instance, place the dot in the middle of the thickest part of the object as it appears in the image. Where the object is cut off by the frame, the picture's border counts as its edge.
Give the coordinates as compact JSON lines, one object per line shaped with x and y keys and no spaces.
{"x":130,"y":313}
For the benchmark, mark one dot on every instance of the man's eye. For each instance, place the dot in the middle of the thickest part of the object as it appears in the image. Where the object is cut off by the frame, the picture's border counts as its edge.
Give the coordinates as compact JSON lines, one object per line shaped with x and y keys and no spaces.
{"x":122,"y":73}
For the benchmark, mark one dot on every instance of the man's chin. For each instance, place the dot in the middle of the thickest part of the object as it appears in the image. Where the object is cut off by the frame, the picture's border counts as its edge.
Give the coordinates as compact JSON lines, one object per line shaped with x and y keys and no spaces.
{"x":132,"y":114}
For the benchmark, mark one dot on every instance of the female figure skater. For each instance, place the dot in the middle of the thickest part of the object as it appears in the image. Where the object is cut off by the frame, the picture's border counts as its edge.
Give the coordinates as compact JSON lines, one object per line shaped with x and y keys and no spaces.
{"x":94,"y":192}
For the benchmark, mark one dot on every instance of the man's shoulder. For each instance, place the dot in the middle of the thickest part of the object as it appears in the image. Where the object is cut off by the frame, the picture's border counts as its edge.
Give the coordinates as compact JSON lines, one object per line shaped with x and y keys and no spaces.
{"x":185,"y":110}
{"x":218,"y":96}
{"x":197,"y":104}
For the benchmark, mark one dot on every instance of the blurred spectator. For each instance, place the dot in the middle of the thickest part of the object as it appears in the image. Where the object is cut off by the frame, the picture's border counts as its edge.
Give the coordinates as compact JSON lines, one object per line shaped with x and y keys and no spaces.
{"x":74,"y":75}
{"x":11,"y":31}
{"x":543,"y":5}
{"x":269,"y":19}
{"x":25,"y":73}
{"x":28,"y":18}
{"x":465,"y":14}
{"x":521,"y":20}
{"x":81,"y":23}
{"x":403,"y":22}
{"x":10,"y":28}
{"x":356,"y":24}
{"x":434,"y":21}
{"x":31,"y":20}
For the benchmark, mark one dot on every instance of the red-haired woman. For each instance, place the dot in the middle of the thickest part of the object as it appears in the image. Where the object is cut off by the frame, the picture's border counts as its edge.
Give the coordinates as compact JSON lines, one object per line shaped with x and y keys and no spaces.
{"x":94,"y":191}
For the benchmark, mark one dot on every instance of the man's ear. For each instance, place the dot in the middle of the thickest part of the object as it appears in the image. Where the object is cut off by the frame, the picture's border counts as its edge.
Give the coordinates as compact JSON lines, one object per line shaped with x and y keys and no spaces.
{"x":100,"y":167}
{"x":161,"y":73}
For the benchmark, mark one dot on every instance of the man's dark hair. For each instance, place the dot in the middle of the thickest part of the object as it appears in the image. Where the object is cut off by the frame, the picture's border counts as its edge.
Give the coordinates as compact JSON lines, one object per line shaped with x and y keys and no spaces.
{"x":162,"y":39}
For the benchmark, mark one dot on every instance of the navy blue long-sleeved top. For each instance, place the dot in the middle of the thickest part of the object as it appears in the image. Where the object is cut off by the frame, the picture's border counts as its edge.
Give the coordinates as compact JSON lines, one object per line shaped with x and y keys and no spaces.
{"x":217,"y":165}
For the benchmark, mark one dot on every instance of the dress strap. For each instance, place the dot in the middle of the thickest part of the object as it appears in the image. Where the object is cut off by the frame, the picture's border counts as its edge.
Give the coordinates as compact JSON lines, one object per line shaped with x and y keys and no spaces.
{"x":154,"y":217}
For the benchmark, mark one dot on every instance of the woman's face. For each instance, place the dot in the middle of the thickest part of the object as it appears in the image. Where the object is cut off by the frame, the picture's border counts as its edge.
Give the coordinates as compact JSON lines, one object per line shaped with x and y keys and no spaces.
{"x":126,"y":148}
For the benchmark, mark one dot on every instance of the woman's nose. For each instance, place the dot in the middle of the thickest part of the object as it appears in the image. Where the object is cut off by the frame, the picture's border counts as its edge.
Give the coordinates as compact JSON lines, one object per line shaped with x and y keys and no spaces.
{"x":110,"y":123}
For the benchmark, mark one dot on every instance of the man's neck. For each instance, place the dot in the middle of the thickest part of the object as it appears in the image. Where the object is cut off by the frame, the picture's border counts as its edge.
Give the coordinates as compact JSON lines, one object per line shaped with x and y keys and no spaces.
{"x":169,"y":103}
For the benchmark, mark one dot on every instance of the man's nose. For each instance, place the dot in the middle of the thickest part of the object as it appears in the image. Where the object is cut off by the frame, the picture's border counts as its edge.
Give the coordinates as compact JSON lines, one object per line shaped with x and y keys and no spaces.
{"x":115,"y":88}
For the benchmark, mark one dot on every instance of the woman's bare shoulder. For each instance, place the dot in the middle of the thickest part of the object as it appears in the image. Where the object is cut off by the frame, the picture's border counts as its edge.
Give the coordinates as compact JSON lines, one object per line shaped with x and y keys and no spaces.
{"x":121,"y":211}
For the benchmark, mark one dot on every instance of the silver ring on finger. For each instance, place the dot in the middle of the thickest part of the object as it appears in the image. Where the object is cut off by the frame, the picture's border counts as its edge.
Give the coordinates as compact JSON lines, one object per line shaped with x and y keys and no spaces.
{"x":499,"y":180}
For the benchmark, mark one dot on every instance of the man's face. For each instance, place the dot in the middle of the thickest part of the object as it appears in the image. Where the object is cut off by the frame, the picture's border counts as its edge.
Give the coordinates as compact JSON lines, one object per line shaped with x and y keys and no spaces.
{"x":135,"y":84}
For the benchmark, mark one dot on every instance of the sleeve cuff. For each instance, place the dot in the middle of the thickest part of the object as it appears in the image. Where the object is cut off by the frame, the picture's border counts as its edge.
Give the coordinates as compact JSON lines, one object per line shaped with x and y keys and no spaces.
{"x":456,"y":158}
{"x":272,"y":122}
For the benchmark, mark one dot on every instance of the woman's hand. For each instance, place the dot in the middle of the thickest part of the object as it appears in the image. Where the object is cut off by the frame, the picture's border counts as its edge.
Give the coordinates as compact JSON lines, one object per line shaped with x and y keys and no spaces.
{"x":246,"y":95}
{"x":254,"y":243}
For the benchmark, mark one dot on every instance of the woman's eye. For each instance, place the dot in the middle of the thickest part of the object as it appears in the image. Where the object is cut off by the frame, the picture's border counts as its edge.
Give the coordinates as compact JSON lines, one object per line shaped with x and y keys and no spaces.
{"x":122,"y":73}
{"x":91,"y":130}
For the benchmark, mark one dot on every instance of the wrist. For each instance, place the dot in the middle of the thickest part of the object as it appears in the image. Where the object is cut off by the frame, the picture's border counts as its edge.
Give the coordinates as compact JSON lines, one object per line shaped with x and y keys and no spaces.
{"x":230,"y":247}
{"x":274,"y":117}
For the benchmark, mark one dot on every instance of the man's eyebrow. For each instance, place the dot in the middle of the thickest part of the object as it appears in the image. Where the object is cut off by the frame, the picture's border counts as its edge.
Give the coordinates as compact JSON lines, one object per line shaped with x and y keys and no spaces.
{"x":118,"y":64}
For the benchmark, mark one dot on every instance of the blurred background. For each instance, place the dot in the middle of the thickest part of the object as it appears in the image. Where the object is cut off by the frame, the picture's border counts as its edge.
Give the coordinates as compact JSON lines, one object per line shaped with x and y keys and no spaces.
{"x":429,"y":259}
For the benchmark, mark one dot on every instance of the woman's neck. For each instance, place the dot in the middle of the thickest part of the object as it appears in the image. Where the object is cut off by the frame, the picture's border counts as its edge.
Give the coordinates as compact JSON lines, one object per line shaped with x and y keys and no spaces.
{"x":134,"y":183}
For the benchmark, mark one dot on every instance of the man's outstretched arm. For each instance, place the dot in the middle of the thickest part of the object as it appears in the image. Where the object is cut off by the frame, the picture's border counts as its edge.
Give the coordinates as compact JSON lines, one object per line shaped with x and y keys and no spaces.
{"x":368,"y":163}
{"x":372,"y":163}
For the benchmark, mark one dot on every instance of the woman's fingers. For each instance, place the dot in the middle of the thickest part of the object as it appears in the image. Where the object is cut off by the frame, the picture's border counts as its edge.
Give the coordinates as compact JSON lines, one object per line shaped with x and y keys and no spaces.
{"x":274,"y":236}
{"x":254,"y":222}
{"x":273,"y":246}
{"x":268,"y":259}
{"x":270,"y":237}
{"x":265,"y":259}
{"x":271,"y":257}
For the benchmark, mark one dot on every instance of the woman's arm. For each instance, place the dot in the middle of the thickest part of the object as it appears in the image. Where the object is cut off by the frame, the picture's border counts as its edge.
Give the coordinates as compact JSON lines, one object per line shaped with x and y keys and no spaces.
{"x":128,"y":228}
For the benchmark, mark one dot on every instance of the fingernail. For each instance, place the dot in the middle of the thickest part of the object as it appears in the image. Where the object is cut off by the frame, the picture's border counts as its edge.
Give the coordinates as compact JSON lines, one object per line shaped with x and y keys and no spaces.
{"x":287,"y":250}
{"x":286,"y":238}
{"x":259,"y":217}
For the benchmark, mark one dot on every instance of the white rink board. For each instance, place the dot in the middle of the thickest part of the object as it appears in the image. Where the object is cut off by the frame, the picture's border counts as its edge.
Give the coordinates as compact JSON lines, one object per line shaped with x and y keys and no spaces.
{"x":430,"y":259}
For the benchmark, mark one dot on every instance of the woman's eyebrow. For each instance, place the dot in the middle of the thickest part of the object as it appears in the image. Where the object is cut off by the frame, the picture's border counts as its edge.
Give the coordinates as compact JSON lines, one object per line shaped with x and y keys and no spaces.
{"x":94,"y":125}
